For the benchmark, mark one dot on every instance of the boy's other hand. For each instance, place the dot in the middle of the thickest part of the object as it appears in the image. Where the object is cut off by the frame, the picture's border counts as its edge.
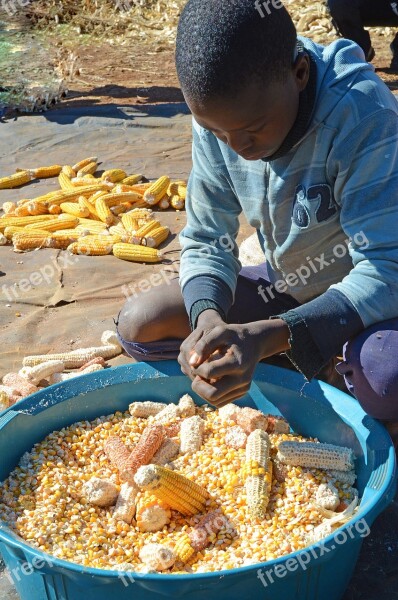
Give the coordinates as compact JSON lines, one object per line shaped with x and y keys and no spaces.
{"x":221,"y":359}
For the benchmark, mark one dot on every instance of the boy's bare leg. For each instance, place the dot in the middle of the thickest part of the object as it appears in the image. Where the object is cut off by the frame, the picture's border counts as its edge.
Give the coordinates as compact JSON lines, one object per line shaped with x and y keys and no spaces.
{"x":155,"y":315}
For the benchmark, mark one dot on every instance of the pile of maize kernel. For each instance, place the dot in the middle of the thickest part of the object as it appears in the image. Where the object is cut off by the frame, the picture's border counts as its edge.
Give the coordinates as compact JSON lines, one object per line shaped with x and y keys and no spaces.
{"x":44,"y":501}
{"x":89,"y":215}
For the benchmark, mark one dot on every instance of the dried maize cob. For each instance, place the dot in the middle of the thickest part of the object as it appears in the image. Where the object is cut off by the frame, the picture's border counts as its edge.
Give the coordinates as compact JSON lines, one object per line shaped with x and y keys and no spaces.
{"x":83,"y":163}
{"x":279,"y":470}
{"x":141,"y":188}
{"x":37,"y":208}
{"x":151,"y":513}
{"x":148,"y":444}
{"x":137,"y":253}
{"x":200,"y":537}
{"x":313,"y":454}
{"x":348,"y":477}
{"x":251,"y":419}
{"x":157,"y":190}
{"x":142,"y":214}
{"x":55,"y":224}
{"x":156,"y":237}
{"x":186,"y":406}
{"x":257,"y":472}
{"x":177,"y":203}
{"x":16,"y":180}
{"x":191,"y":434}
{"x":42,"y":371}
{"x":168,"y":414}
{"x":4,"y":401}
{"x":12,"y":394}
{"x":45,"y":172}
{"x":89,"y":169}
{"x":100,"y":492}
{"x":144,"y":230}
{"x":87,"y":246}
{"x":164,"y":203}
{"x":30,"y":240}
{"x":19,"y":384}
{"x":174,"y":489}
{"x":183,"y":548}
{"x":22,"y":211}
{"x":64,"y":182}
{"x":182,"y":191}
{"x":119,"y":456}
{"x":54,"y":209}
{"x":235,"y":437}
{"x":121,"y":188}
{"x":277,"y":424}
{"x":120,"y":231}
{"x":68,"y":171}
{"x":327,"y":496}
{"x":116,"y":197}
{"x":103,"y":211}
{"x":119,"y":209}
{"x":98,"y":194}
{"x":75,"y":209}
{"x":132,"y":179}
{"x":3,"y":240}
{"x":58,"y":377}
{"x":71,"y":195}
{"x":94,"y":361}
{"x":129,"y":222}
{"x":10,"y":231}
{"x":98,"y":226}
{"x":167,"y":451}
{"x":140,"y":204}
{"x":114,"y":175}
{"x":173,"y":429}
{"x":86,"y":204}
{"x":157,"y":557}
{"x":81,"y":182}
{"x":71,"y":234}
{"x":125,"y":504}
{"x":146,"y":409}
{"x":22,"y":221}
{"x":9,"y":208}
{"x":229,"y":412}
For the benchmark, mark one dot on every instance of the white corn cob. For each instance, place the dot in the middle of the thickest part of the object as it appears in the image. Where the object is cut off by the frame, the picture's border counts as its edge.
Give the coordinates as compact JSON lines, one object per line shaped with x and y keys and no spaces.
{"x":58,"y":377}
{"x":125,"y":505}
{"x":327,"y":496}
{"x":12,"y":394}
{"x":167,"y":451}
{"x":186,"y":406}
{"x":251,"y":419}
{"x":146,"y":409}
{"x":100,"y":492}
{"x":168,"y":414}
{"x":77,"y":358}
{"x":42,"y":371}
{"x":157,"y":557}
{"x":20,"y":384}
{"x":229,"y":412}
{"x":348,"y":477}
{"x":191,"y":434}
{"x":313,"y":454}
{"x":258,"y":472}
{"x":235,"y":437}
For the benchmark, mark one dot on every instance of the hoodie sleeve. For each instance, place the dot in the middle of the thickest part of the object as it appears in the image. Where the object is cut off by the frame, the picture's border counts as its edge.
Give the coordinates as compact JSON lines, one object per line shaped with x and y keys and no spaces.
{"x":209,"y":257}
{"x":364,"y":167}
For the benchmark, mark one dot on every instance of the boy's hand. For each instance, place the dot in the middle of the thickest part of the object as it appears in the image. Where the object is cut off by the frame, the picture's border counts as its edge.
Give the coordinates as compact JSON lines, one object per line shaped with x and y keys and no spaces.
{"x":222,"y":380}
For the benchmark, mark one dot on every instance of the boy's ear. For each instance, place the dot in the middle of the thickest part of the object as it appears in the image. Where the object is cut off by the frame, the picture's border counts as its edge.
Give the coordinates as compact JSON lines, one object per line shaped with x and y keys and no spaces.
{"x":301,"y":71}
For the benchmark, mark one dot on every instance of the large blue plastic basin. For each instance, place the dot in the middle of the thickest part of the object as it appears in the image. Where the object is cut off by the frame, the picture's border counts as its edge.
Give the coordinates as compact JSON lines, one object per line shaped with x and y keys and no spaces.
{"x":315,"y":409}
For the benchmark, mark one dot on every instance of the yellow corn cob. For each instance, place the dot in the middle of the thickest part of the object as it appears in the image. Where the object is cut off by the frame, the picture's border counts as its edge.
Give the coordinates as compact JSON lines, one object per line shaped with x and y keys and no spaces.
{"x":141,"y":188}
{"x":45,"y":172}
{"x":121,"y":208}
{"x":94,"y":197}
{"x":156,"y":237}
{"x":144,"y":231}
{"x":182,"y":191}
{"x":37,"y":208}
{"x":7,"y":221}
{"x":91,"y":247}
{"x":86,"y":203}
{"x":136,"y":253}
{"x":68,"y":171}
{"x":98,"y":226}
{"x":9,"y":208}
{"x":157,"y":557}
{"x":10,"y":231}
{"x":183,"y":549}
{"x":257,"y":472}
{"x":72,"y":234}
{"x":114,"y":175}
{"x":125,"y":505}
{"x":174,"y":489}
{"x":201,"y":536}
{"x":75,"y":209}
{"x":55,"y":224}
{"x":83,"y":163}
{"x":157,"y":190}
{"x":31,"y":241}
{"x":130,"y":224}
{"x":65,"y":183}
{"x":313,"y":454}
{"x":22,"y":211}
{"x":140,"y":204}
{"x":172,"y":190}
{"x":151,"y":513}
{"x":54,"y":209}
{"x":144,"y":214}
{"x":132,"y":179}
{"x":71,"y":195}
{"x":15,"y":180}
{"x":100,"y":492}
{"x":120,"y":231}
{"x":118,"y":197}
{"x":61,"y":240}
{"x":85,"y":181}
{"x":164,"y":203}
{"x":192,"y":430}
{"x":4,"y":400}
{"x":103,"y":211}
{"x":177,"y":202}
{"x":88,"y":169}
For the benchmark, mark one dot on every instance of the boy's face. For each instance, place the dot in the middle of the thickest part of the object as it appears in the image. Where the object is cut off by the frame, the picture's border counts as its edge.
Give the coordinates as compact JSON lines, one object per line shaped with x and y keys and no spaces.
{"x":256,"y":122}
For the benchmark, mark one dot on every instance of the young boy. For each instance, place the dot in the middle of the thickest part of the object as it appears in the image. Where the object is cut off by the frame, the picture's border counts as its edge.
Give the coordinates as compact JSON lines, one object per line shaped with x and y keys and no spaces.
{"x":303,"y":140}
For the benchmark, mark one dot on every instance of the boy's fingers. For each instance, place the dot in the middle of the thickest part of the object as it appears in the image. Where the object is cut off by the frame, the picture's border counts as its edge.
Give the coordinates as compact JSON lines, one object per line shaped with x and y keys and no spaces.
{"x":214,"y":369}
{"x":209,"y":343}
{"x":224,"y":390}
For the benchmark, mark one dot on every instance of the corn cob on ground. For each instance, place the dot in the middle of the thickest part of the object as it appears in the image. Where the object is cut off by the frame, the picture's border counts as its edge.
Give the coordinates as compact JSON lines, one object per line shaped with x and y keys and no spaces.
{"x":136,"y":253}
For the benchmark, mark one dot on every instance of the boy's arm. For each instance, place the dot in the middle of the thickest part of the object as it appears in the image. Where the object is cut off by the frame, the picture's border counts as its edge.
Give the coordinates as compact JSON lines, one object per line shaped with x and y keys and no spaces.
{"x":364,"y":167}
{"x":208,"y":240}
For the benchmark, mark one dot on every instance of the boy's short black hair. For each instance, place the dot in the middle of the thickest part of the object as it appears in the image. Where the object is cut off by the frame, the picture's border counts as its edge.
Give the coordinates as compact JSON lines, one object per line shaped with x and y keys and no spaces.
{"x":222,"y":45}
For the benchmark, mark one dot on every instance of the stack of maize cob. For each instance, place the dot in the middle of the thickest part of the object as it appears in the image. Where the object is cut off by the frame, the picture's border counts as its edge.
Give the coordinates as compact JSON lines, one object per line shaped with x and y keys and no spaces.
{"x":99,"y":200}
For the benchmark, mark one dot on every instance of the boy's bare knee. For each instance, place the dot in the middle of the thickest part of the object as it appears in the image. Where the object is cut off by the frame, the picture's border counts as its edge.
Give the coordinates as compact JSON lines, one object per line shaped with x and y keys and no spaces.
{"x":136,"y":320}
